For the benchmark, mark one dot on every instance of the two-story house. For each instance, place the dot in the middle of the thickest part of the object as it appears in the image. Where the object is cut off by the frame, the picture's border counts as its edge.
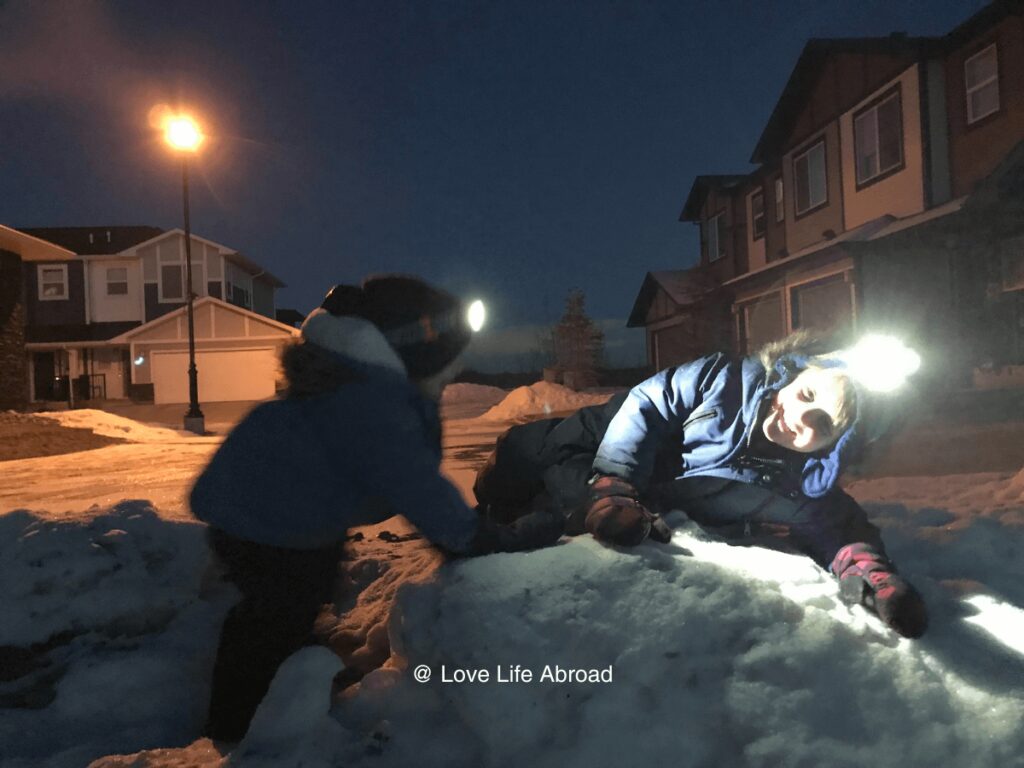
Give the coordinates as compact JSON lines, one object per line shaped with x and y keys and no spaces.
{"x":108,"y":319}
{"x":874,"y":202}
{"x":17,"y":250}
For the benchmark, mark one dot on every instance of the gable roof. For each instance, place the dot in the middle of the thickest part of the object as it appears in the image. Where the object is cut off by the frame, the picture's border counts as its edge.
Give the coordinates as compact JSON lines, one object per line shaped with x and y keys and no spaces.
{"x":31,"y":248}
{"x":808,"y":70}
{"x":988,"y":16}
{"x":699,"y":192}
{"x":105,"y":240}
{"x":228,"y":253}
{"x":683,"y":286}
{"x":174,"y":314}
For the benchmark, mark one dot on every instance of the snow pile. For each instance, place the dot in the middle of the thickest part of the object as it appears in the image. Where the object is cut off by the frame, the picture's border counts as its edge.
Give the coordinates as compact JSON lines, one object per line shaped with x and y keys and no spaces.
{"x":471,"y":393}
{"x":106,"y":645}
{"x":111,"y":425}
{"x":718,"y":655}
{"x":542,"y":397}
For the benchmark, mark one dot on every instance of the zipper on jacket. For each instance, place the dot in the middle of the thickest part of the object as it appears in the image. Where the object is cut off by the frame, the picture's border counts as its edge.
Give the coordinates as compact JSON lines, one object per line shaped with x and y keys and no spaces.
{"x":700,"y":417}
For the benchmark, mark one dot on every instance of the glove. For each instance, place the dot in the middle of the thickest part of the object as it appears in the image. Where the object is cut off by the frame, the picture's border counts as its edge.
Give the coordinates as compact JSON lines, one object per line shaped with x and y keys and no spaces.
{"x":866,"y":578}
{"x":533,"y":531}
{"x":614,"y":515}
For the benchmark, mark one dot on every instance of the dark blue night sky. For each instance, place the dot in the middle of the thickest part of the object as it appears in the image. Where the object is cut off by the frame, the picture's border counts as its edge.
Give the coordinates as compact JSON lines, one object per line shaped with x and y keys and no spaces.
{"x":506,"y":150}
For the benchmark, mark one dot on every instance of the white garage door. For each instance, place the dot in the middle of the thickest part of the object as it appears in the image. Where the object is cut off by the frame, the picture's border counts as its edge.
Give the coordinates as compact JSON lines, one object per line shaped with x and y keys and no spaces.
{"x":236,"y":374}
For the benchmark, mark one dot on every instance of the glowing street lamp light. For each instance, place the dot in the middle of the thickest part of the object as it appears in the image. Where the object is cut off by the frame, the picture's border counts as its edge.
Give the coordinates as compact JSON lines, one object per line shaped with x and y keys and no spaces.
{"x":183,"y":134}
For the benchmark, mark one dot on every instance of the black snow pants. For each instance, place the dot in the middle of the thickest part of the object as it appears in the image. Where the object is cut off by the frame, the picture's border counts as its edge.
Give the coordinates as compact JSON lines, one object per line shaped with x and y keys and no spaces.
{"x":283,"y":591}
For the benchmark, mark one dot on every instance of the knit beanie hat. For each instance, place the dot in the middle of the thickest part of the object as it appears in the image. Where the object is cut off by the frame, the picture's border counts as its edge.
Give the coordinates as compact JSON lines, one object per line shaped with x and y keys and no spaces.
{"x":424,"y":325}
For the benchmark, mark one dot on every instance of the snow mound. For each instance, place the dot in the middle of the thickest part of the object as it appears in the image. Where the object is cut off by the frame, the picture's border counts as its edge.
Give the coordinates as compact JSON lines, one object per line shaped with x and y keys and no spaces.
{"x":108,"y":646}
{"x":112,"y":425}
{"x":542,"y":397}
{"x":293,"y":718}
{"x":693,"y":654}
{"x":471,"y":393}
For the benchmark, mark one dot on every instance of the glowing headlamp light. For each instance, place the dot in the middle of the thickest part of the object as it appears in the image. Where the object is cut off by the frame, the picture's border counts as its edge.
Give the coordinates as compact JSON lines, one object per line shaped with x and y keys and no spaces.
{"x":475,"y":315}
{"x":880,"y":363}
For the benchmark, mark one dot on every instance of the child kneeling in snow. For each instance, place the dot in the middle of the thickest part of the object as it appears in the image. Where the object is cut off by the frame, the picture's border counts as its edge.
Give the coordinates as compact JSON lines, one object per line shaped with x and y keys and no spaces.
{"x":356,"y":439}
{"x":751,"y":446}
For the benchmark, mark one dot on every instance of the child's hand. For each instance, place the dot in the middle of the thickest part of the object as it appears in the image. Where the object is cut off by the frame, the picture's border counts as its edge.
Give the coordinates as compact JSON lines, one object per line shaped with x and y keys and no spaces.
{"x":867,"y":578}
{"x":616,"y":516}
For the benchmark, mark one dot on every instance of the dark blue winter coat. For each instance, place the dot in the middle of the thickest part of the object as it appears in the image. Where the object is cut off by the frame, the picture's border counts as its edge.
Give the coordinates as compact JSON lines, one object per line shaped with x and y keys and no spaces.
{"x":298,"y":472}
{"x":712,"y":406}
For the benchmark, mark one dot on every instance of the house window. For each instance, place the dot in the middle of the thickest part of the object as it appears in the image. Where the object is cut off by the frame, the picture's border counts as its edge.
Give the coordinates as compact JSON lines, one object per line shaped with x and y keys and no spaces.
{"x":981,"y":78}
{"x":172,"y":277}
{"x":172,"y":282}
{"x":53,"y":282}
{"x":822,"y":305}
{"x":757,"y":214}
{"x":809,"y":176}
{"x":878,"y":138}
{"x":117,"y":281}
{"x":716,"y":249}
{"x":780,"y":207}
{"x":761,"y":322}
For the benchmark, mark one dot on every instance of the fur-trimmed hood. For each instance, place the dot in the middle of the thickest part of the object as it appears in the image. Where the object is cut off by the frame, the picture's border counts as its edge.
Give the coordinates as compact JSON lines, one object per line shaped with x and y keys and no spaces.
{"x":334,"y":351}
{"x":783,"y":361}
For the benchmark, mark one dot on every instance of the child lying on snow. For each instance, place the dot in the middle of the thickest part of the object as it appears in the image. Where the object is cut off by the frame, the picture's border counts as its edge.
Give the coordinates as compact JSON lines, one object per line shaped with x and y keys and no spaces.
{"x":752,"y":445}
{"x":356,"y":439}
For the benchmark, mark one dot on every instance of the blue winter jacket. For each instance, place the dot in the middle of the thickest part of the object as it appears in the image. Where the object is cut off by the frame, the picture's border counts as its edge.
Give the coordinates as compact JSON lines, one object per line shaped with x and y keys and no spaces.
{"x":298,"y":472}
{"x":713,"y":405}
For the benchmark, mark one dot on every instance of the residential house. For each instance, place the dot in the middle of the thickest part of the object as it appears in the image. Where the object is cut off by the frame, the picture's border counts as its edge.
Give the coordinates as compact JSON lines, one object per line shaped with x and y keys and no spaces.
{"x":17,"y":252}
{"x":882,"y":198}
{"x":108,"y":319}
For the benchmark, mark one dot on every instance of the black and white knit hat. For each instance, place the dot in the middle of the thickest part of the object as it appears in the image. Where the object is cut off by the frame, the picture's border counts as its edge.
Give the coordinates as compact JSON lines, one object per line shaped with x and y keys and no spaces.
{"x":424,"y":325}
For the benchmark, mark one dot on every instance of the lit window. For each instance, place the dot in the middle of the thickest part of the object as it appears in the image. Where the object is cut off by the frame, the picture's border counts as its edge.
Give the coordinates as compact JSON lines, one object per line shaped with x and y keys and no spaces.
{"x":810,"y":179}
{"x":878,"y":138}
{"x":53,"y":282}
{"x":981,"y":78}
{"x":117,"y":281}
{"x":757,"y":214}
{"x":780,"y":207}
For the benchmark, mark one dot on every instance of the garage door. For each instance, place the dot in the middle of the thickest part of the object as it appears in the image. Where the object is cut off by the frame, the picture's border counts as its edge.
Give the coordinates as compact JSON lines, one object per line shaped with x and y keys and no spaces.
{"x":236,"y":374}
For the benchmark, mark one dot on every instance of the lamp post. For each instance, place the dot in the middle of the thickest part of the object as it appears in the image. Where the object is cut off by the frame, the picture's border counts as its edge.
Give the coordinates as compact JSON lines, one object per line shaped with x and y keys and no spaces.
{"x":183,"y":134}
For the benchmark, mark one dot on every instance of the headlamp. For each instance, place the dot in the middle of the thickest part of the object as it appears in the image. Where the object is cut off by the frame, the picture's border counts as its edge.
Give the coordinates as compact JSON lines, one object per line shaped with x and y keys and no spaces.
{"x":475,"y":315}
{"x":880,"y":363}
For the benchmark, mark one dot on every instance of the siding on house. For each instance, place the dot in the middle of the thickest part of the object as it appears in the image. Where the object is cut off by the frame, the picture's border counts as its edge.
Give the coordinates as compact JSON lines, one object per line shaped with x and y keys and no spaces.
{"x":897,"y":194}
{"x":976,"y":149}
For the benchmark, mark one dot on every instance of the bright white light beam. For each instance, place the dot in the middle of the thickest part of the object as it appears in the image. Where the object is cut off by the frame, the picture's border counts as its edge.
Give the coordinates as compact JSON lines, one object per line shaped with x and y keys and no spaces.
{"x":475,"y":315}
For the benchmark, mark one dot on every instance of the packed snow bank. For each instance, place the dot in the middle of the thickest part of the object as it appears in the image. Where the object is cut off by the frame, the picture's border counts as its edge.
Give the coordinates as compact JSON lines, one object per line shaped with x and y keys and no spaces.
{"x":106,"y":644}
{"x":700,"y":653}
{"x":472,"y":393}
{"x":112,"y":425}
{"x":542,"y":397}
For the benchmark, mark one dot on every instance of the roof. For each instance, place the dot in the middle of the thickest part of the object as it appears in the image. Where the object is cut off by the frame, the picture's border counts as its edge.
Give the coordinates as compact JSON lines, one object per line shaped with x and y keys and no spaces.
{"x":982,"y":20}
{"x":684,"y":286}
{"x":174,"y":314}
{"x":105,"y":240}
{"x":31,"y":248}
{"x":228,"y":253}
{"x":699,"y":192}
{"x":805,"y":76}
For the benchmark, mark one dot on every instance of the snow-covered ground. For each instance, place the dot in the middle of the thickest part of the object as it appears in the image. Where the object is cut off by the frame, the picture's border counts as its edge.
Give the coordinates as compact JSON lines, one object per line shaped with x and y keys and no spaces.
{"x":717,"y":654}
{"x":542,"y":398}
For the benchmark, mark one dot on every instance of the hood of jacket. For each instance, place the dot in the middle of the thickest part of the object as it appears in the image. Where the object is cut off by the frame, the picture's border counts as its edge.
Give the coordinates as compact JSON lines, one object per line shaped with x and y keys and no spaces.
{"x":783,"y":361}
{"x":331,"y":354}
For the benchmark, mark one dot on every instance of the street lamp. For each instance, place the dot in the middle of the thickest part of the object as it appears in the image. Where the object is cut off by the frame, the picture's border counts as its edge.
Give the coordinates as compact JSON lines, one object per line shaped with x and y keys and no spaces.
{"x":183,"y":134}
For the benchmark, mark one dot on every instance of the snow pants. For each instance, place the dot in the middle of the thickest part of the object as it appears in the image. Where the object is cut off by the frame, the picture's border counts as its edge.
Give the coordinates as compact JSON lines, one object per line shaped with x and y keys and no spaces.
{"x":283,"y":591}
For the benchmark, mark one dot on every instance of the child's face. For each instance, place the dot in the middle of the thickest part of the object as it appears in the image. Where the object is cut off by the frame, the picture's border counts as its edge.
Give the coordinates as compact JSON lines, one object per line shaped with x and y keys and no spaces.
{"x":804,"y":412}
